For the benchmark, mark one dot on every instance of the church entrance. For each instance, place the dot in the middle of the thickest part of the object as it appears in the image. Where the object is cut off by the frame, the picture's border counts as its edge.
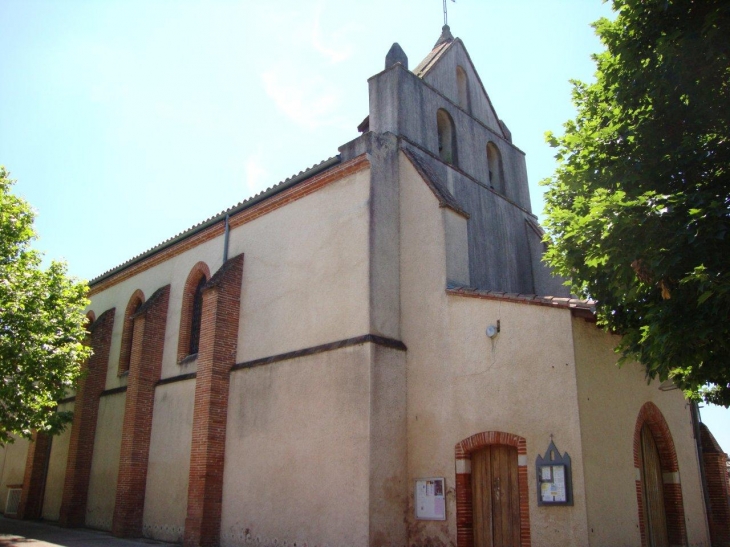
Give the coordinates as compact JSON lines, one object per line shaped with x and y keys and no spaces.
{"x":495,"y":496}
{"x":655,"y":518}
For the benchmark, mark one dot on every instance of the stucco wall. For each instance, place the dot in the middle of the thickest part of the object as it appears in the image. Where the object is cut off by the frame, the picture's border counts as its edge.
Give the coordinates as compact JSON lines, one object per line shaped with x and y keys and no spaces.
{"x":303,"y":256}
{"x":57,"y":470}
{"x":461,"y":383}
{"x":296,"y":465}
{"x":610,"y":401}
{"x":105,"y":462}
{"x":299,"y":261}
{"x":12,"y":467}
{"x":169,"y":462}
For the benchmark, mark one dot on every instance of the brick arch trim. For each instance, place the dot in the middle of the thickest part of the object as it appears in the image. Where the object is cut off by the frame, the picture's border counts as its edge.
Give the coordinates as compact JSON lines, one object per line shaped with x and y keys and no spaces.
{"x":650,"y":415}
{"x":464,"y":505}
{"x":135,"y":301}
{"x":183,"y":344}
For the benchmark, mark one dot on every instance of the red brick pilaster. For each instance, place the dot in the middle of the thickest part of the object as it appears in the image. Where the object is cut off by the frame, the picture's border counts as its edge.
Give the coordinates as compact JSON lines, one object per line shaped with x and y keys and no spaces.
{"x":83,"y":429}
{"x":148,"y":341}
{"x":718,"y":512}
{"x":464,"y":502}
{"x":36,"y":463}
{"x":216,"y":356}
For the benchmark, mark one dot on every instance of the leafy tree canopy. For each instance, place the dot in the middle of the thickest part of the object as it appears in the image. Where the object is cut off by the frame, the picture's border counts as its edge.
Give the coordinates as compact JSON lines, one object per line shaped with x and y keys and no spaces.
{"x":638,"y":210}
{"x":42,"y":327}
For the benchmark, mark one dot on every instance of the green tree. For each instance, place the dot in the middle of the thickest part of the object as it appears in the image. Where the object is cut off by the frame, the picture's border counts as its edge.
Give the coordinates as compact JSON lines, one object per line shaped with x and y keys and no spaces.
{"x":42,"y":327}
{"x":638,"y":208}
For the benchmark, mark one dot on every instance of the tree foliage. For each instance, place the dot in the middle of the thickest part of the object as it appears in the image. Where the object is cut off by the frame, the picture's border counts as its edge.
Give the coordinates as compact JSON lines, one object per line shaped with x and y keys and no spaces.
{"x":42,"y":327}
{"x":638,"y":210}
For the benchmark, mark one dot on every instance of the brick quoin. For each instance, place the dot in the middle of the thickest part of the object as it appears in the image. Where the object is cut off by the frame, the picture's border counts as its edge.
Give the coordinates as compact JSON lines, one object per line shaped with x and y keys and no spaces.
{"x":31,"y":498}
{"x":83,"y":429}
{"x":145,"y":364}
{"x":464,"y":503}
{"x":673,"y":503}
{"x":718,"y":512}
{"x":217,"y":354}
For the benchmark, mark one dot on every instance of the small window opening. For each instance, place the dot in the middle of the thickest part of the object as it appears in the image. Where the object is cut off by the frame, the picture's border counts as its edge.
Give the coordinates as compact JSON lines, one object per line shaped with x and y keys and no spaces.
{"x":494,"y":162}
{"x":462,"y":85}
{"x":446,"y":137}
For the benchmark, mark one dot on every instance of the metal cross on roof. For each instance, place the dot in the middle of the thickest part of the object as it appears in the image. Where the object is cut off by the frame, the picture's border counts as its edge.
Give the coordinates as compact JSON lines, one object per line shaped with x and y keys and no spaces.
{"x":446,"y":13}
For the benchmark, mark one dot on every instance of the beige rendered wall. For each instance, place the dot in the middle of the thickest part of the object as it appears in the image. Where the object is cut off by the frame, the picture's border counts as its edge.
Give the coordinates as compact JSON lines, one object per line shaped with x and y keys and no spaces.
{"x":461,"y":383}
{"x":57,"y":470}
{"x":299,"y":260}
{"x":609,"y":400}
{"x":305,"y":271}
{"x":303,"y":257}
{"x":105,"y":462}
{"x":169,"y":462}
{"x":12,"y":467}
{"x":296,"y":464}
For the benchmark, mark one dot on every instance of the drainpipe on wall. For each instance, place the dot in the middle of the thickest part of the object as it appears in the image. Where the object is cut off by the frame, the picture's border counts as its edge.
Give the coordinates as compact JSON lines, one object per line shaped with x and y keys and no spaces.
{"x":226,"y":235}
{"x":695,"y":413}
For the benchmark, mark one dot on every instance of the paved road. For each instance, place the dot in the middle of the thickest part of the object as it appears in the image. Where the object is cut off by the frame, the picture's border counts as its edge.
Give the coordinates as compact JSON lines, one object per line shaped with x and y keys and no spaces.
{"x":23,"y":533}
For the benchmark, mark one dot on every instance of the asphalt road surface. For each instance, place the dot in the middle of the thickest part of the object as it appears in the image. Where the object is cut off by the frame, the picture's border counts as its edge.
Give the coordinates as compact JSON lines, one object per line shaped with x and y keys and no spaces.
{"x":23,"y":533}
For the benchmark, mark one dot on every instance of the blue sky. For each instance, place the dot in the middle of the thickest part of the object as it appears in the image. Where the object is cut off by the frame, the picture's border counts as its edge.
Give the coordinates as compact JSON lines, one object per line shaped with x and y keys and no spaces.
{"x":126,"y":122}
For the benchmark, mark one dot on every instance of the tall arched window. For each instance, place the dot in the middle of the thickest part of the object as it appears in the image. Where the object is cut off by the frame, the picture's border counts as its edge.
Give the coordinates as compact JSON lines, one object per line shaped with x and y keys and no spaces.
{"x":446,"y":137}
{"x":496,"y":172}
{"x":196,"y":316}
{"x":462,"y":86}
{"x":135,"y":302}
{"x":90,"y":318}
{"x":192,"y":311}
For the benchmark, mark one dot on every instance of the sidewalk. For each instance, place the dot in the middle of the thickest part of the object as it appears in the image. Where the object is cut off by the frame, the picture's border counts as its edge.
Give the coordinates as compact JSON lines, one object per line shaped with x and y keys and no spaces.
{"x":23,"y":533}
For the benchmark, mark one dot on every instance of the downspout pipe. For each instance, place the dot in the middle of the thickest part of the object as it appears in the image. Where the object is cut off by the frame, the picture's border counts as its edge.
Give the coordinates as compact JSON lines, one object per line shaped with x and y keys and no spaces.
{"x":226,"y":237}
{"x":696,"y":419}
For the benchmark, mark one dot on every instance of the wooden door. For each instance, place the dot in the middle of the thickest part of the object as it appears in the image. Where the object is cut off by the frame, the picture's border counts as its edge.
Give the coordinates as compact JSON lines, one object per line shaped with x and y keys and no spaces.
{"x":495,"y":497}
{"x":655,"y":518}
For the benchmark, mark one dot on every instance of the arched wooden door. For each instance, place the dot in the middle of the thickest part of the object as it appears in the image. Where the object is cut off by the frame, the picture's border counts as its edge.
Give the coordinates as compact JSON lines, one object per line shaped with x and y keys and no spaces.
{"x":655,"y":517}
{"x":495,"y":494}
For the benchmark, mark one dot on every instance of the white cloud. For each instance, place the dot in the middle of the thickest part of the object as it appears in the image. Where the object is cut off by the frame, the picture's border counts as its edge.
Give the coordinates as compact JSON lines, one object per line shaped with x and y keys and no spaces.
{"x":308,"y":99}
{"x":332,"y":45}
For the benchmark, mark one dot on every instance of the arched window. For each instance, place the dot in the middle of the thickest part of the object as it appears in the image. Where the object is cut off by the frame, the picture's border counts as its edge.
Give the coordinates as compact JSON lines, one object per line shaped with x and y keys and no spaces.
{"x":192,"y":311}
{"x":196,"y":316}
{"x":496,"y":172}
{"x":446,"y":137}
{"x":90,"y":318}
{"x":135,"y":302}
{"x":462,"y":86}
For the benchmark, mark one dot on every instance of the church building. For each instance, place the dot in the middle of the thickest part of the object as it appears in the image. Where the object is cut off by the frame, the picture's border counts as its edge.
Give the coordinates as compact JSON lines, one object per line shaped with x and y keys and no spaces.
{"x":371,"y":353}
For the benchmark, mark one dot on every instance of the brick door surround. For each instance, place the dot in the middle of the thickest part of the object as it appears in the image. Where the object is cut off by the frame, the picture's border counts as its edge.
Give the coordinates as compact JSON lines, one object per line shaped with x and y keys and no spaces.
{"x":673,"y":504}
{"x":464,"y":503}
